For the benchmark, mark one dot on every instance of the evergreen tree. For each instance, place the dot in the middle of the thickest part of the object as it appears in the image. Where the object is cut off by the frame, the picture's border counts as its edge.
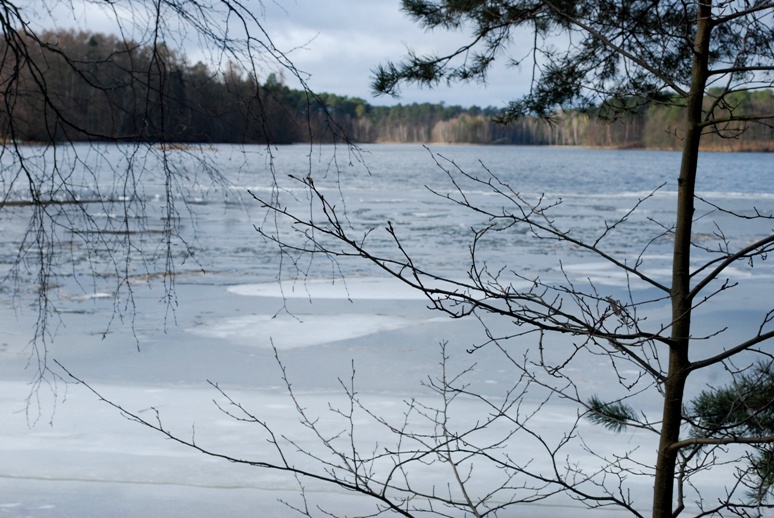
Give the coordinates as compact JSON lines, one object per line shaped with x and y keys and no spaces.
{"x":589,"y":53}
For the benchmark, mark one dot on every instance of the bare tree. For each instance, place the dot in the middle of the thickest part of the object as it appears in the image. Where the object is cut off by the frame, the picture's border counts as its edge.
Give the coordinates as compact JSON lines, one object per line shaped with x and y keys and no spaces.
{"x":120,"y":208}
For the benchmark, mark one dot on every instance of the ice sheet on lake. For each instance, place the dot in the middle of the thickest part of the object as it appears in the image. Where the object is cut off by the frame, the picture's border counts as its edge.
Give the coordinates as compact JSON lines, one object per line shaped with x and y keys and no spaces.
{"x":607,"y":274}
{"x":292,"y":331}
{"x":97,"y":463}
{"x":363,"y":289}
{"x":358,"y":289}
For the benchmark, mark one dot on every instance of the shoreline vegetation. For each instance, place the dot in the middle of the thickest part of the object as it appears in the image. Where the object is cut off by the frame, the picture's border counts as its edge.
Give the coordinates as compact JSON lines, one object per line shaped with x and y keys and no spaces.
{"x":105,"y":92}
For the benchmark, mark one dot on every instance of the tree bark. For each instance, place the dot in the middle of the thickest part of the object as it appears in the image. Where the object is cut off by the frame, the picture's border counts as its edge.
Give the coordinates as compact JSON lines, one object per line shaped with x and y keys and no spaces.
{"x":674,"y":388}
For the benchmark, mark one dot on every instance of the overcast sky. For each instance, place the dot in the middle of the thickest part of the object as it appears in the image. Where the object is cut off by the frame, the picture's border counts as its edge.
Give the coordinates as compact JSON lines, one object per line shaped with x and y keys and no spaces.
{"x":337,"y":42}
{"x":343,"y":40}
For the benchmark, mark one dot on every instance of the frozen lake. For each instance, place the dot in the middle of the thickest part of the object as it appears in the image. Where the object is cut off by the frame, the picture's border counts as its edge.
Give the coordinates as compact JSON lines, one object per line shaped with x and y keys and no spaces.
{"x":65,"y":453}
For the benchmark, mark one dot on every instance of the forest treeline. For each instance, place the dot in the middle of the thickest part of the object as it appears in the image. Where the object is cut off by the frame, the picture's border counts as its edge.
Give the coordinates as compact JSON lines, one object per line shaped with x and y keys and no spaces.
{"x":101,"y":87}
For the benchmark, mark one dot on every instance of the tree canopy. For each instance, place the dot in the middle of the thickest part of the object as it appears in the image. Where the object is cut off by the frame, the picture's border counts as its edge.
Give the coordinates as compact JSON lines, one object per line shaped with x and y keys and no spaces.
{"x":589,"y":53}
{"x":98,"y":88}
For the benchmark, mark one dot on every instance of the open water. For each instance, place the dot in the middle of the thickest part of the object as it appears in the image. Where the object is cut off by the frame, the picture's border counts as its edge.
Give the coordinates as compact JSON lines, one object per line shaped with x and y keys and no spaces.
{"x":404,"y":184}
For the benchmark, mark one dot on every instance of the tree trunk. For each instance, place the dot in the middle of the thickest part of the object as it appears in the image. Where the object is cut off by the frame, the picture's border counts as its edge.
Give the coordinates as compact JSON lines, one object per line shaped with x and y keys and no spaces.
{"x":663,"y":491}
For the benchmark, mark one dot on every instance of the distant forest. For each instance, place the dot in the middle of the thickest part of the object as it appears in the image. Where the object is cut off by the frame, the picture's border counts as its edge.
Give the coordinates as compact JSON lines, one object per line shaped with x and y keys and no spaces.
{"x":101,"y":87}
